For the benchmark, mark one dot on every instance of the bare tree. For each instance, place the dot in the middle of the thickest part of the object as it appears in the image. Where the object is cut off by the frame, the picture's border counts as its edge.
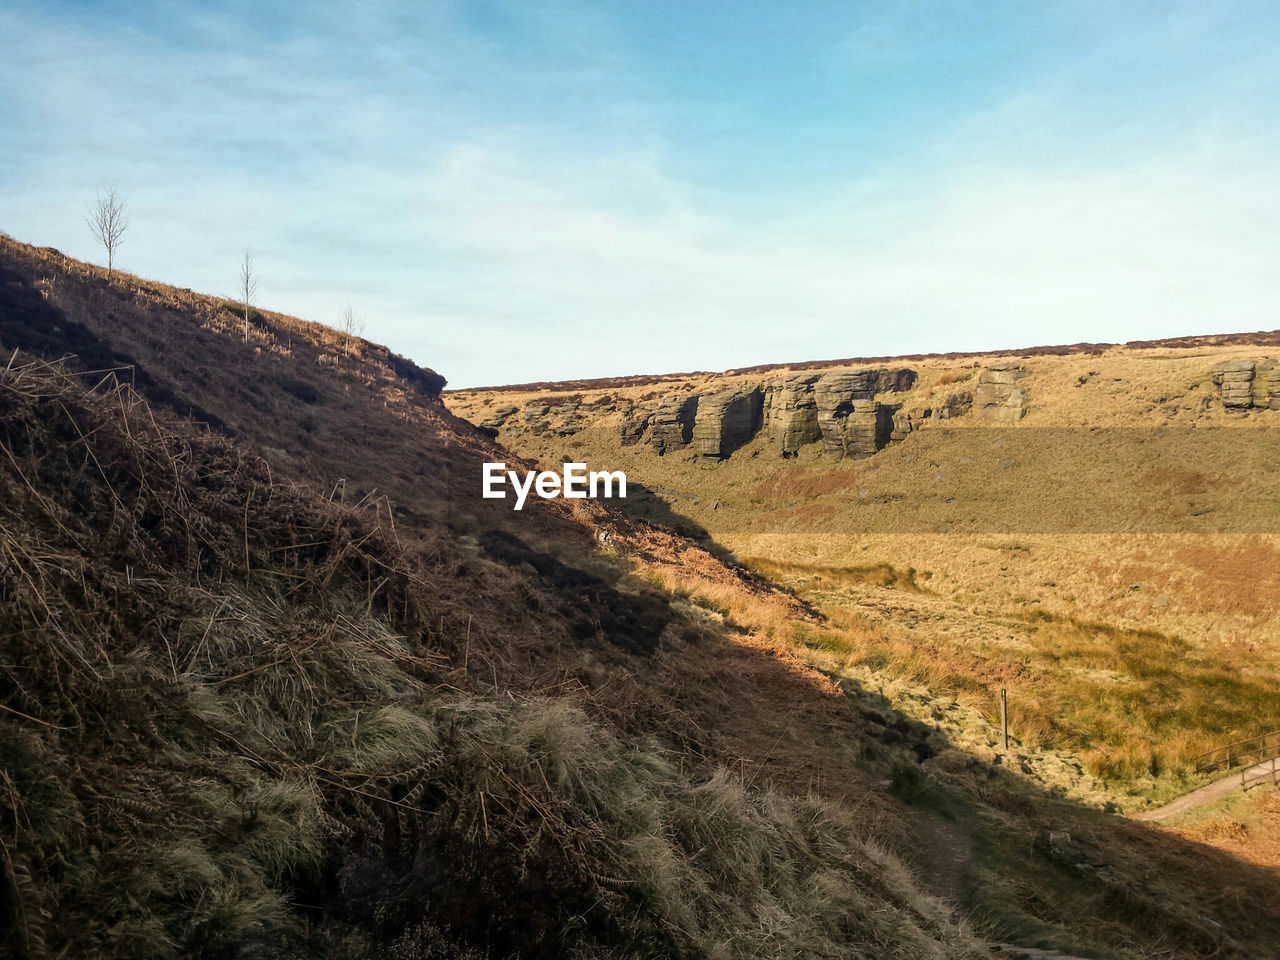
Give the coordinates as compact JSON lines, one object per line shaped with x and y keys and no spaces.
{"x":248,"y":289}
{"x":108,"y":220}
{"x":352,"y":323}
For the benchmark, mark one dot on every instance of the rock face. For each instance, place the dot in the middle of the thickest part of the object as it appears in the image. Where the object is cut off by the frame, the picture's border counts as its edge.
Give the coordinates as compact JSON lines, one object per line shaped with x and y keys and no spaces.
{"x":1248,"y":383}
{"x":633,"y":428}
{"x":906,"y":420}
{"x":794,"y":410}
{"x":851,"y":422}
{"x":1000,"y":397}
{"x":955,"y":405}
{"x":726,"y":421}
{"x":499,"y":416}
{"x":791,"y":412}
{"x":862,"y":431}
{"x":671,"y":425}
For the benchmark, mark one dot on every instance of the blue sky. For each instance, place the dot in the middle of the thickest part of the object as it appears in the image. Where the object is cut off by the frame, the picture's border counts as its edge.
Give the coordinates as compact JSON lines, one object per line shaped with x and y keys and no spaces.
{"x":512,"y":191}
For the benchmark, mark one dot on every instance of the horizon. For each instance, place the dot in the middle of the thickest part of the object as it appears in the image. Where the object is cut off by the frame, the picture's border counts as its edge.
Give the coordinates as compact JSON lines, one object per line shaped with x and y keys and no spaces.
{"x":514,"y":194}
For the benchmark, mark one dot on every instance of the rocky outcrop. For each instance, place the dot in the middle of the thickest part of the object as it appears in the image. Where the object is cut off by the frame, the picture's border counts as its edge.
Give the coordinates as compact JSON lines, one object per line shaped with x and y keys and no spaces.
{"x":794,"y":410}
{"x":906,"y":420}
{"x":852,"y":424}
{"x":1000,"y":396}
{"x":954,"y":405}
{"x":834,"y":389}
{"x":671,"y":425}
{"x":856,"y":429}
{"x":499,"y":416}
{"x":633,"y":428}
{"x":537,"y":416}
{"x":1248,"y":383}
{"x":791,"y":412}
{"x":726,"y":421}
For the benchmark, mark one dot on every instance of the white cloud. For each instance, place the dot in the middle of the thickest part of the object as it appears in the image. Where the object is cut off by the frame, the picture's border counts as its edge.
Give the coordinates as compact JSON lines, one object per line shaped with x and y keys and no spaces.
{"x":1001,"y":259}
{"x":562,"y":243}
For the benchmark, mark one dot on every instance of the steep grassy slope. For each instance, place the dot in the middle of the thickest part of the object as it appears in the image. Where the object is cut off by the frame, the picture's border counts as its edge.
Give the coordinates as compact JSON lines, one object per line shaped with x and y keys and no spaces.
{"x":238,"y":718}
{"x":250,"y":710}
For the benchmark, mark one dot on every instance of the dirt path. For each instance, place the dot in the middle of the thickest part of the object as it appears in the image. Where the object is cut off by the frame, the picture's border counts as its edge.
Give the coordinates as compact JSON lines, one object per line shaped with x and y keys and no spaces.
{"x":1206,"y":794}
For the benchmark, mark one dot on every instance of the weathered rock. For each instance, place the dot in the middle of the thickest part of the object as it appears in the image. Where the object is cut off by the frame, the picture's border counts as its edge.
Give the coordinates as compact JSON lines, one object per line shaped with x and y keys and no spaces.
{"x":1234,"y":379}
{"x":999,"y":396}
{"x":1268,"y":373}
{"x":955,"y":405}
{"x":866,"y":428}
{"x":857,"y":429}
{"x":791,"y":407}
{"x":570,"y":425}
{"x":904,"y":421}
{"x":834,"y":391}
{"x":1264,"y":376}
{"x":726,"y":421}
{"x":791,"y":412}
{"x":633,"y":428}
{"x":671,"y":425}
{"x":499,"y":416}
{"x":850,"y":421}
{"x":1248,"y":383}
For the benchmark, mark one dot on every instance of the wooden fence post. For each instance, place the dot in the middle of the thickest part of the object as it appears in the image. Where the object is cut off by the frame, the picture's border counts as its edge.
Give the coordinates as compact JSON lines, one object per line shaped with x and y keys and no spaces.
{"x":1004,"y":716}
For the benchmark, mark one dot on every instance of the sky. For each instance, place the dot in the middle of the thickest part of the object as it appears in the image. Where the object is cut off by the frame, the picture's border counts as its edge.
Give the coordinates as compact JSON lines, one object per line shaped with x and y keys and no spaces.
{"x":520,"y":191}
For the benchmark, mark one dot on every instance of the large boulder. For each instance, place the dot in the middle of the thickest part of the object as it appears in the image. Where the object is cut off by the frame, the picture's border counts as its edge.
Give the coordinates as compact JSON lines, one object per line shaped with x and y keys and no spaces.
{"x":671,"y":426}
{"x":852,"y":424}
{"x":1248,"y":383}
{"x":954,"y":405}
{"x":1234,"y":380}
{"x":726,"y":421}
{"x":1001,"y":397}
{"x":867,"y":428}
{"x":1266,"y":384}
{"x":835,"y":392}
{"x":791,"y":412}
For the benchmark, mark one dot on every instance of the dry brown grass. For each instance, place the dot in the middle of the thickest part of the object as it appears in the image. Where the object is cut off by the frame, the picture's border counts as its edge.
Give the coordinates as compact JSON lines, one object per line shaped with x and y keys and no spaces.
{"x":1059,"y":558}
{"x":1250,"y":832}
{"x":223,"y":693}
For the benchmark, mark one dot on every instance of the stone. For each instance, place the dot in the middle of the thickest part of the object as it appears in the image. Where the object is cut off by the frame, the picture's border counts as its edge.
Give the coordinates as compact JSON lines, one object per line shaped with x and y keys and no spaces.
{"x":1000,"y":396}
{"x":862,"y":428}
{"x":955,"y":405}
{"x":633,"y":428}
{"x":904,"y":421}
{"x":1247,"y":383}
{"x":671,"y":426}
{"x":850,"y":421}
{"x":499,"y":416}
{"x":791,"y":408}
{"x":791,"y":412}
{"x":726,"y":421}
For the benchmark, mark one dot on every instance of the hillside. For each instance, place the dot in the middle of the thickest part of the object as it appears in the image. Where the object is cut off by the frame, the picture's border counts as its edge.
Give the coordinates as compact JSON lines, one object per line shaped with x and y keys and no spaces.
{"x":277,"y":682}
{"x":1092,"y":527}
